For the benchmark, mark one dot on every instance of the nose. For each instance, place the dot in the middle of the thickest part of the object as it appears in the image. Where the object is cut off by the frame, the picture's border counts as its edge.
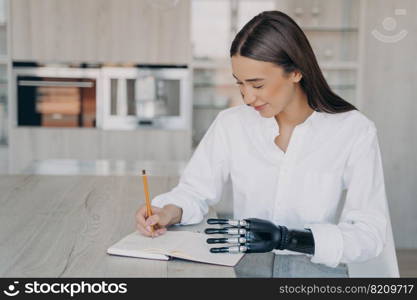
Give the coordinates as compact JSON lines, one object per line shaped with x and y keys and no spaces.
{"x":248,"y":97}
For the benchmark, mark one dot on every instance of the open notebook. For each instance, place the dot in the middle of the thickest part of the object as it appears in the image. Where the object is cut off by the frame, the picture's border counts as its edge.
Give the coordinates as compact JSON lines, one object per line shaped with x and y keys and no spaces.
{"x":180,"y":244}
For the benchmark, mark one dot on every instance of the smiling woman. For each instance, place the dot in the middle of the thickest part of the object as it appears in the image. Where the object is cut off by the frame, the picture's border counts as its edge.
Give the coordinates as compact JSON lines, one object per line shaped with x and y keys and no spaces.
{"x":290,"y":153}
{"x":272,"y":89}
{"x":274,"y":38}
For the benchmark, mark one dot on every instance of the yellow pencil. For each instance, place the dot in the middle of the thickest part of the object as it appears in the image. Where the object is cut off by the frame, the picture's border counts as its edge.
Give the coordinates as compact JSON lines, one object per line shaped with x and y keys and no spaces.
{"x":148,"y":201}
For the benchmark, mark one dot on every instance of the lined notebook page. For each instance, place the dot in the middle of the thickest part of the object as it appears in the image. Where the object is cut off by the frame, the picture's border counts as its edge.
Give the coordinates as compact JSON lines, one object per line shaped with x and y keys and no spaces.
{"x":133,"y":245}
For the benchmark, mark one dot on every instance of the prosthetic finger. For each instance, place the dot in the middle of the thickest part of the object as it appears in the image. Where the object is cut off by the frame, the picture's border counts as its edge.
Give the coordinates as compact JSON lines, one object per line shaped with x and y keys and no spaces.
{"x":232,"y":249}
{"x":227,"y":230}
{"x":236,"y":223}
{"x":231,"y":240}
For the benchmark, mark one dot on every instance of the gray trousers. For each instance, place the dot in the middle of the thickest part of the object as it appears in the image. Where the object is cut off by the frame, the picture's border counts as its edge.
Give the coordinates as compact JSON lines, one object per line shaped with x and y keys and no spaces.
{"x":272,"y":265}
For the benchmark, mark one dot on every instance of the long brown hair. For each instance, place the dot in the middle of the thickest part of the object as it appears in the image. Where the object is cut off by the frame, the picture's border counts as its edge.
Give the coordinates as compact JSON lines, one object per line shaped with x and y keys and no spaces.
{"x":273,"y":36}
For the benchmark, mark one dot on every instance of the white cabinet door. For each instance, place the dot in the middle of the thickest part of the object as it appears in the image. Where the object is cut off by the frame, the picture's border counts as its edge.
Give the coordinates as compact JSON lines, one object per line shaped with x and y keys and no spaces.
{"x":117,"y":31}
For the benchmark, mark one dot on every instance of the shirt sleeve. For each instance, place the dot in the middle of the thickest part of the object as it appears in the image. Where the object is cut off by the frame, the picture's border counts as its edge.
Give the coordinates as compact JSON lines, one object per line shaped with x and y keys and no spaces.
{"x":202,"y":181}
{"x":361,"y":232}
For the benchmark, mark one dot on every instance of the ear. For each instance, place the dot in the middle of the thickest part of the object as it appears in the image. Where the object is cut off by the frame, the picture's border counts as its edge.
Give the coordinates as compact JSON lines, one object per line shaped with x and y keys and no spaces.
{"x":296,"y":76}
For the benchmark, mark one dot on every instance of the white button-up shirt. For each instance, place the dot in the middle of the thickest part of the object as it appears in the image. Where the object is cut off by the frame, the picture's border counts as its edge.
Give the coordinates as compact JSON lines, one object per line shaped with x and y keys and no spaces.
{"x":303,"y":187}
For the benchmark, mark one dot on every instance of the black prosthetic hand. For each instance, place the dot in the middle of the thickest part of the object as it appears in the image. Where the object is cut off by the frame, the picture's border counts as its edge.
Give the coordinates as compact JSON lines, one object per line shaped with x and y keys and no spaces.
{"x":257,"y":235}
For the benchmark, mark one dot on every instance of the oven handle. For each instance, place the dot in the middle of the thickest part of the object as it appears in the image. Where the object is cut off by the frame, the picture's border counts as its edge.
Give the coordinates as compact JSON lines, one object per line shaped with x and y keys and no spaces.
{"x":56,"y":83}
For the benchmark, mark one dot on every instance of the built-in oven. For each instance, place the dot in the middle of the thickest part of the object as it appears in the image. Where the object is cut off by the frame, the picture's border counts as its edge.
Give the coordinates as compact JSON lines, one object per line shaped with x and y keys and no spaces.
{"x":56,"y":96}
{"x":145,"y":96}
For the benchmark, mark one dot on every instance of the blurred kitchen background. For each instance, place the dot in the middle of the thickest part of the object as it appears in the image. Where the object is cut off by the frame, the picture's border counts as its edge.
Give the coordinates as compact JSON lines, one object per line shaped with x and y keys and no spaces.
{"x":112,"y":86}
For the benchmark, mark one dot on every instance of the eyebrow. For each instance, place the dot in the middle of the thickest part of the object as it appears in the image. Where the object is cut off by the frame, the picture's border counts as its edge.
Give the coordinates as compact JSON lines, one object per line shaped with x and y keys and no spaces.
{"x":249,"y":80}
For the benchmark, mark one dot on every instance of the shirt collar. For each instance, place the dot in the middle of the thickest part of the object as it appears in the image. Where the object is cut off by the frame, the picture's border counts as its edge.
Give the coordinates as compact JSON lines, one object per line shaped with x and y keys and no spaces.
{"x":271,"y":128}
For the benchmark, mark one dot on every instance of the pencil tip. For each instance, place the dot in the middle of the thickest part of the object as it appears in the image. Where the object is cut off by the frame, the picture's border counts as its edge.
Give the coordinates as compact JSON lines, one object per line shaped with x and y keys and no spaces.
{"x":143,"y":172}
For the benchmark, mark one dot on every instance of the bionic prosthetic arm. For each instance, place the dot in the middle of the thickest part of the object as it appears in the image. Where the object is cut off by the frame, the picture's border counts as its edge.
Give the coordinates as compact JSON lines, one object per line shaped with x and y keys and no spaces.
{"x":257,"y":235}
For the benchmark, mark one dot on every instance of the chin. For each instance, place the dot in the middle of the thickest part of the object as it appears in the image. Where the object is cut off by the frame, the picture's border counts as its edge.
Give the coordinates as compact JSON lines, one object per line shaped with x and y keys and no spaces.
{"x":267,"y":114}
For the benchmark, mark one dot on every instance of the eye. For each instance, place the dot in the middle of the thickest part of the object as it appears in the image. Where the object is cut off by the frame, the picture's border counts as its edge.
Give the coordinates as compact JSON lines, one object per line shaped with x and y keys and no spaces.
{"x":258,"y":87}
{"x":238,"y":83}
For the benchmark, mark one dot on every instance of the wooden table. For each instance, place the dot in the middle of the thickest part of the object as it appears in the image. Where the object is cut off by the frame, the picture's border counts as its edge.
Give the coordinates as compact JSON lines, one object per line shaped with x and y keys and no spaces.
{"x":61,"y":226}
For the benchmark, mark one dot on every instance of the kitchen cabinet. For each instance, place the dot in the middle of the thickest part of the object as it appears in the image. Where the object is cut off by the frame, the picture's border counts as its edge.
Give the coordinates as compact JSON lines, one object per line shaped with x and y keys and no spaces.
{"x":103,"y":31}
{"x":31,"y":144}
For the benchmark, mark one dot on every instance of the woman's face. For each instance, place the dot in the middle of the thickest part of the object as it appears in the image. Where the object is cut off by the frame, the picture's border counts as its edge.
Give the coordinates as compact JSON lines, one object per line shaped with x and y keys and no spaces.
{"x":264,"y":85}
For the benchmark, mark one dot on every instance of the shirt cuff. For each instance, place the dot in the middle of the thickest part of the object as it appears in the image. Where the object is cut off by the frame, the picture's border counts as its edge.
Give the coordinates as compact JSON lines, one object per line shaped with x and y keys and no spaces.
{"x":186,"y":213}
{"x":328,"y":244}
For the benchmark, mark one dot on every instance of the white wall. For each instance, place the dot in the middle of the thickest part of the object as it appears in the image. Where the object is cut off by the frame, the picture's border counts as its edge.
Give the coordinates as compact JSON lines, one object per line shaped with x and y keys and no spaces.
{"x":390,"y":100}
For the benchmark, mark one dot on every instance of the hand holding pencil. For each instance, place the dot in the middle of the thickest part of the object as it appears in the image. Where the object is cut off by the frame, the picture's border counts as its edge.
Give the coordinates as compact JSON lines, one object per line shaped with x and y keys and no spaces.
{"x":151,"y":220}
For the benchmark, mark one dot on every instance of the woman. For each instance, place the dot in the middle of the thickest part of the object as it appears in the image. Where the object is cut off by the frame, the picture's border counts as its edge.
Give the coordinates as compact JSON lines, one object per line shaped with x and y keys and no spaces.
{"x":291,"y":152}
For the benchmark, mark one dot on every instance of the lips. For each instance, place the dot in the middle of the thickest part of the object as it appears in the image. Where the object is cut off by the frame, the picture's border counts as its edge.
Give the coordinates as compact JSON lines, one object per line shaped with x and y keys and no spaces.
{"x":260,"y":107}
